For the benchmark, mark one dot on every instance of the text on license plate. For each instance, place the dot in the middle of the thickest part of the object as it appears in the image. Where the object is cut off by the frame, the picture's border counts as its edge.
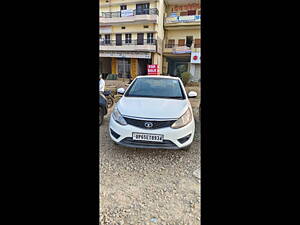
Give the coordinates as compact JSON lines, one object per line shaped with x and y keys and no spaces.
{"x":148,"y":137}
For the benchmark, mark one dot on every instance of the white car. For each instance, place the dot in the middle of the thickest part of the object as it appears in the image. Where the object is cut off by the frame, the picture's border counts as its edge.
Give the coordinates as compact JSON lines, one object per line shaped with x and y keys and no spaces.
{"x":154,"y":112}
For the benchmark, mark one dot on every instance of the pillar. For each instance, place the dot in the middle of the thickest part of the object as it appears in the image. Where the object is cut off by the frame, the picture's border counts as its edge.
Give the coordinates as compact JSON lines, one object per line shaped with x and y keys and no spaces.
{"x":133,"y":68}
{"x":114,"y":66}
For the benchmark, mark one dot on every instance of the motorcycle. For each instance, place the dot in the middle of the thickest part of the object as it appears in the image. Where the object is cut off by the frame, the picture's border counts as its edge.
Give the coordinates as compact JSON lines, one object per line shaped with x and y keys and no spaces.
{"x":110,"y":98}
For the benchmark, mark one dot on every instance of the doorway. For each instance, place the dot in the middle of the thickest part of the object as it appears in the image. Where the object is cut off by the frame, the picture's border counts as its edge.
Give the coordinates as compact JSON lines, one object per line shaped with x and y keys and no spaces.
{"x":142,"y":9}
{"x":181,"y":67}
{"x":140,"y":38}
{"x":124,"y":67}
{"x":142,"y":65}
{"x":189,"y":41}
{"x":118,"y":39}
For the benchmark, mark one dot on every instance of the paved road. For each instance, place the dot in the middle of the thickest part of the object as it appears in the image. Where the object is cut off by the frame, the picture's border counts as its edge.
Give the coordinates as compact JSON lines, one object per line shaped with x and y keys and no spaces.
{"x":149,"y":186}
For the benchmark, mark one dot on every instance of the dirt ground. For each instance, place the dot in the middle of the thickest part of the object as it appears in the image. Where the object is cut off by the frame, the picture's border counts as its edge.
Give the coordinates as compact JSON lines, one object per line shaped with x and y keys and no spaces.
{"x":149,"y":186}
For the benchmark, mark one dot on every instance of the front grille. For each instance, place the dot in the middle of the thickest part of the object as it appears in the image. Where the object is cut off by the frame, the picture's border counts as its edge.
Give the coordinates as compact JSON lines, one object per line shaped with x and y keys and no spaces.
{"x":134,"y":143}
{"x":156,"y":124}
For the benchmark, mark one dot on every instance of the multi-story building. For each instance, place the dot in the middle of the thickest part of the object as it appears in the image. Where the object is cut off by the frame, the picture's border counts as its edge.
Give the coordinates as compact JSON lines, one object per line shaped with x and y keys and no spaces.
{"x":182,"y":42}
{"x":131,"y":35}
{"x":136,"y":33}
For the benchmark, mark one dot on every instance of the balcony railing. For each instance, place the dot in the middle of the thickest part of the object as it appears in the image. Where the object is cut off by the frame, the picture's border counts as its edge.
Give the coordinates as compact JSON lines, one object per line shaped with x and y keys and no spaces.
{"x":128,"y":42}
{"x":183,"y":19}
{"x":178,"y":46}
{"x":152,"y":11}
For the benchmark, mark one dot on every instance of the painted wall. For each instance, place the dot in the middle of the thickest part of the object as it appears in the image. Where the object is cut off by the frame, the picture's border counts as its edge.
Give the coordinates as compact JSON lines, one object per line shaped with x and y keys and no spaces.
{"x":131,"y":28}
{"x":181,"y":34}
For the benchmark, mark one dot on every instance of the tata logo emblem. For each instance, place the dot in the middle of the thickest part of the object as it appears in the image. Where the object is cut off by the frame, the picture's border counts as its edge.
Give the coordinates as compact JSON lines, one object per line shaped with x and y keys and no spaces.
{"x":148,"y":124}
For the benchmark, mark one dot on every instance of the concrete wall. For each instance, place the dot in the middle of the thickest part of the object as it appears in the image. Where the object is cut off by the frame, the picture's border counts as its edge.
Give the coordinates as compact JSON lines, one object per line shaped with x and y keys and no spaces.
{"x":181,"y":34}
{"x":133,"y":28}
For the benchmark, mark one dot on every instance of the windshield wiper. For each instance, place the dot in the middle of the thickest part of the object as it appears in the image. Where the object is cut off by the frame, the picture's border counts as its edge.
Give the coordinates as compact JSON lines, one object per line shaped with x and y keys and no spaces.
{"x":176,"y":97}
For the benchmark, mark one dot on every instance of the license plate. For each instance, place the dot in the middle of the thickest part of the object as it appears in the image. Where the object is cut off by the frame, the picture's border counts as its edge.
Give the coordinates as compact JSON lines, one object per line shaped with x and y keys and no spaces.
{"x":148,"y":137}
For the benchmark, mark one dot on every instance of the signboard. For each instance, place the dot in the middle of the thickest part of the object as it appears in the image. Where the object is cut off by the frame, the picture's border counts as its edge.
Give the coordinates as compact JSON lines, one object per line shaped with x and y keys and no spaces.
{"x":196,"y":57}
{"x":172,"y":19}
{"x":153,"y":69}
{"x":126,"y":13}
{"x":186,"y":18}
{"x":136,"y":55}
{"x":182,"y":50}
{"x":192,"y":18}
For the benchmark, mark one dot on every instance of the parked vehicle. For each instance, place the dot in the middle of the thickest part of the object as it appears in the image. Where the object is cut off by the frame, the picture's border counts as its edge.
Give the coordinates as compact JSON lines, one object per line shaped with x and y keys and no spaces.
{"x":102,"y":108}
{"x":109,"y":97}
{"x":154,"y":112}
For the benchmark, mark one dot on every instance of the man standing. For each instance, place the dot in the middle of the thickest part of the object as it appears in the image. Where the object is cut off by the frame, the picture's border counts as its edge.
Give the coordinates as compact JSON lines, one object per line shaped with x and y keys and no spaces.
{"x":101,"y":84}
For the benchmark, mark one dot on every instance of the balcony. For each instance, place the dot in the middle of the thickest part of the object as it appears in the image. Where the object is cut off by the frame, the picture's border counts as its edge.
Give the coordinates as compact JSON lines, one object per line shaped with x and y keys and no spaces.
{"x":129,"y":16}
{"x":147,"y":45}
{"x":173,"y":21}
{"x":181,"y":49}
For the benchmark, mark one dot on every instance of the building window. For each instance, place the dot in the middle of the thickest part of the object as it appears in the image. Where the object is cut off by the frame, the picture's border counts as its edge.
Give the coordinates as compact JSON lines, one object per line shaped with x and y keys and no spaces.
{"x":142,"y":9}
{"x":146,"y":26}
{"x":123,"y":28}
{"x":107,"y":39}
{"x":101,"y":40}
{"x":128,"y":38}
{"x":181,"y":42}
{"x":123,"y":7}
{"x":170,"y":44}
{"x":150,"y":38}
{"x":197,"y":43}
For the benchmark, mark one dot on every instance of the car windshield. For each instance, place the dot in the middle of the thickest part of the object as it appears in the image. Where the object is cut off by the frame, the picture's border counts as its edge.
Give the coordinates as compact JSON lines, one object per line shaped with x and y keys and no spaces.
{"x":156,"y":88}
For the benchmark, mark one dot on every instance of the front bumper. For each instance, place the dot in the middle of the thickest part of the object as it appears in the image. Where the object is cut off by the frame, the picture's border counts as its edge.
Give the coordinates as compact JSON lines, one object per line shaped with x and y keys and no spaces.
{"x":171,"y":136}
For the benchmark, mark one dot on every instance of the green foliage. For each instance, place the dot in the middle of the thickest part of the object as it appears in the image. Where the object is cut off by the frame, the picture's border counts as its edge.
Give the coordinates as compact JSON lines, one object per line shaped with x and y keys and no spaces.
{"x":185,"y":77}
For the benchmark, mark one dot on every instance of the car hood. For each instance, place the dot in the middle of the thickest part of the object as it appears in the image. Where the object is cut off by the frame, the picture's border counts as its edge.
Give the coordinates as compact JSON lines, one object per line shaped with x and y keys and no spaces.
{"x":152,"y":107}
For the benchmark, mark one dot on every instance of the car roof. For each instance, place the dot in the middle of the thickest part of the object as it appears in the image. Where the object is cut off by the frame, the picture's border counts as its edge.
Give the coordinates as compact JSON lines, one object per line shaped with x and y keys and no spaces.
{"x":157,"y":76}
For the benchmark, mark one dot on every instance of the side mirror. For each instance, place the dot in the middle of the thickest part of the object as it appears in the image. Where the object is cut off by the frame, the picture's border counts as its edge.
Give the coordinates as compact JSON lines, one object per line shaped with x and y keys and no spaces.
{"x":192,"y":94}
{"x":121,"y":91}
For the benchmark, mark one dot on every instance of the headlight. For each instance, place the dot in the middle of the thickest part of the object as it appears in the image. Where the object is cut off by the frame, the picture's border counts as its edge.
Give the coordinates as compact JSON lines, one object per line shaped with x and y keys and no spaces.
{"x":184,"y":120}
{"x":118,"y":117}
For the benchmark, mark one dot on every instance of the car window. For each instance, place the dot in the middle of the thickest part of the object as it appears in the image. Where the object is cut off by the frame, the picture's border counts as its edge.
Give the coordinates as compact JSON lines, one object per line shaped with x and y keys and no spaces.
{"x":156,"y":88}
